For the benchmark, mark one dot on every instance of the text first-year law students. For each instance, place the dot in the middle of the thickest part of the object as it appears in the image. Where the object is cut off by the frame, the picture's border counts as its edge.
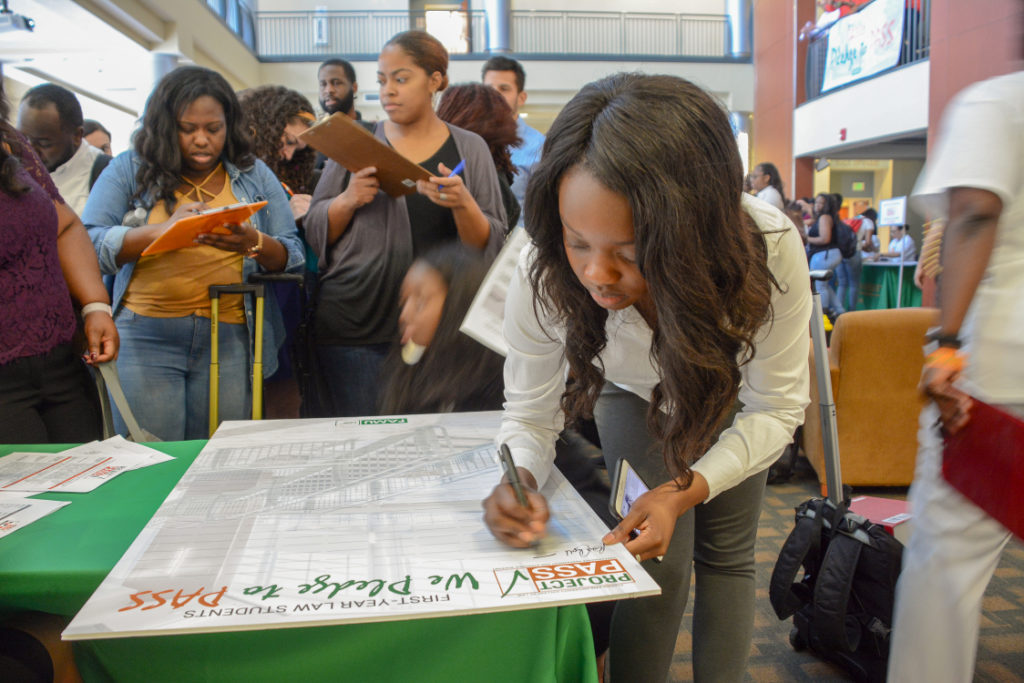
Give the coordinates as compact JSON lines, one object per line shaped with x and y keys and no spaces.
{"x":191,"y":153}
{"x":651,"y":273}
{"x":366,"y":240}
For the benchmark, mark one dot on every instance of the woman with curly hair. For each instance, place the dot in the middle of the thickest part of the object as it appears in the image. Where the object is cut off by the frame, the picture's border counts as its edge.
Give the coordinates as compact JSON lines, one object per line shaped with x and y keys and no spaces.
{"x":275,"y":117}
{"x":653,"y":275}
{"x":482,"y":110}
{"x":191,"y":153}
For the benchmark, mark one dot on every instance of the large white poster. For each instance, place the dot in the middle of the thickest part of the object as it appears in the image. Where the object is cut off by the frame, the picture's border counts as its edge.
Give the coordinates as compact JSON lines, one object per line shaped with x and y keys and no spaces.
{"x":864,"y":43}
{"x":304,"y":522}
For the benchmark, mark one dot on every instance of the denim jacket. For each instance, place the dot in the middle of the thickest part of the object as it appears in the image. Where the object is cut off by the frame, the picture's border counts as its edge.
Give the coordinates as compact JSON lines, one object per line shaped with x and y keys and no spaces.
{"x":111,"y":199}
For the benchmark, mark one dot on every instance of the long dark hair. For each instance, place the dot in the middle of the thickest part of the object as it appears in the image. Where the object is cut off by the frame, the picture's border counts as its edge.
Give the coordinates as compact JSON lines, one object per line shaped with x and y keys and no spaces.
{"x":830,"y":209}
{"x":267,"y":110}
{"x":774,"y":179}
{"x":10,"y":150}
{"x":667,"y":146}
{"x":456,"y":372}
{"x":156,"y":141}
{"x":482,"y":110}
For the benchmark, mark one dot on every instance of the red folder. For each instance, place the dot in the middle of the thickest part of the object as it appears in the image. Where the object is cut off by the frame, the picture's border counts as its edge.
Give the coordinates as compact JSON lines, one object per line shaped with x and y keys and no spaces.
{"x":985,"y":462}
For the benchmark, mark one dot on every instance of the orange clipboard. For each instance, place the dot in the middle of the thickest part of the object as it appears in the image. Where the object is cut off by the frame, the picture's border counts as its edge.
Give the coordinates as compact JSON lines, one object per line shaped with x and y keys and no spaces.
{"x":985,"y":462}
{"x":345,"y":141}
{"x":184,"y":231}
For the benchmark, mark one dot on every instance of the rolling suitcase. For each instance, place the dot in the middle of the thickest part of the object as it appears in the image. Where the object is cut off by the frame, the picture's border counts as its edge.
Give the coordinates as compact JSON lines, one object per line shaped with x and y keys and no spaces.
{"x":258,"y":290}
{"x":842,"y":605}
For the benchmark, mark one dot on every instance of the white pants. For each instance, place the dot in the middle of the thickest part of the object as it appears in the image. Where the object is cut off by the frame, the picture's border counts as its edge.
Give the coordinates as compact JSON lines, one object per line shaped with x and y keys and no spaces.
{"x":954,"y":549}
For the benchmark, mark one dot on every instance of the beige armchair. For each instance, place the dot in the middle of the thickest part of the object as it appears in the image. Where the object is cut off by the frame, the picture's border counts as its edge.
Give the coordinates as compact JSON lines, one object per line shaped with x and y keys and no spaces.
{"x":876,"y":360}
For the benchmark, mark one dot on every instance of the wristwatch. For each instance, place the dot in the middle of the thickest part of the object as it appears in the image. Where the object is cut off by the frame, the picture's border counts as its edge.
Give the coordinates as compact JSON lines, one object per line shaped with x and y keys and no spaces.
{"x":948,"y":340}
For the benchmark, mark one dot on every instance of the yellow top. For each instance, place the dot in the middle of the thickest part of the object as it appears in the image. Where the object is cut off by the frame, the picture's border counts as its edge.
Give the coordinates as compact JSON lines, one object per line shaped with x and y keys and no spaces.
{"x":175,"y":284}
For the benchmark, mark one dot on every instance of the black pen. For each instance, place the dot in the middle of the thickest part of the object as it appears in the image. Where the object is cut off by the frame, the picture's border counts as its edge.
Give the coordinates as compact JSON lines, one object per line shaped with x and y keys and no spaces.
{"x":513,"y":474}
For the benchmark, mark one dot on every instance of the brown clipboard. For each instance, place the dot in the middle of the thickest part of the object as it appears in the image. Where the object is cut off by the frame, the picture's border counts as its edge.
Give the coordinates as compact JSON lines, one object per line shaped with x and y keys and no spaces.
{"x":184,"y":231}
{"x":347,"y":142}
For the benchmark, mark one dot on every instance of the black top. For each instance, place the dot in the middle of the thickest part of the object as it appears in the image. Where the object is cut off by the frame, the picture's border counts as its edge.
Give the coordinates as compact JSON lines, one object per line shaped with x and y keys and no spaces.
{"x":814,"y":232}
{"x":432,"y":224}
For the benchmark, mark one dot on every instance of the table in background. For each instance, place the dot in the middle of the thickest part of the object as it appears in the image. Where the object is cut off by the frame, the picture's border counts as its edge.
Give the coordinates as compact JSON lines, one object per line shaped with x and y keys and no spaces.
{"x":56,"y":563}
{"x":879,"y":285}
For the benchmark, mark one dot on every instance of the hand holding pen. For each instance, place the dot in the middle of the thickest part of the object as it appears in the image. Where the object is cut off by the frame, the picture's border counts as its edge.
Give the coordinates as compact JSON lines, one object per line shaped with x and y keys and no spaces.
{"x":446,"y":189}
{"x":515,"y":512}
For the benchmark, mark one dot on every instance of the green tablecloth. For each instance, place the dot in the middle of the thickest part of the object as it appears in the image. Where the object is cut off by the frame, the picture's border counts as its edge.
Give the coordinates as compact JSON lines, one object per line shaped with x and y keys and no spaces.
{"x":55,"y":564}
{"x":879,"y":285}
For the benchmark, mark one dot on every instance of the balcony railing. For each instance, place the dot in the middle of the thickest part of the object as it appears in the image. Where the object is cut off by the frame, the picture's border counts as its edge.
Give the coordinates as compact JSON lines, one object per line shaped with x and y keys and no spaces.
{"x":312,"y":35}
{"x":913,"y":46}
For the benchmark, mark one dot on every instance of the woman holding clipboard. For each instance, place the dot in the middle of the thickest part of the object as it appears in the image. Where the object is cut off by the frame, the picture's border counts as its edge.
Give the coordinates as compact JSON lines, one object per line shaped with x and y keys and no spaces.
{"x":190,"y":154}
{"x":366,"y":240}
{"x":653,"y":275}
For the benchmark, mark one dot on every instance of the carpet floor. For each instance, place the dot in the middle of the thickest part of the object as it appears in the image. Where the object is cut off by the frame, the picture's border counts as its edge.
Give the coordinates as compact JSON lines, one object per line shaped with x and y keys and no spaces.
{"x":772,"y":659}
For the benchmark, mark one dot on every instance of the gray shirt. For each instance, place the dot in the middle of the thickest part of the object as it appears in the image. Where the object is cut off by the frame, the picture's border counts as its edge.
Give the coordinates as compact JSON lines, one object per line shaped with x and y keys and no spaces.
{"x":361,"y":273}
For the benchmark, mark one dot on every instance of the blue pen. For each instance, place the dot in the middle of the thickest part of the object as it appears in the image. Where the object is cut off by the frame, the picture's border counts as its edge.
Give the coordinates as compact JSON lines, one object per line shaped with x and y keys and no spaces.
{"x":459,"y":168}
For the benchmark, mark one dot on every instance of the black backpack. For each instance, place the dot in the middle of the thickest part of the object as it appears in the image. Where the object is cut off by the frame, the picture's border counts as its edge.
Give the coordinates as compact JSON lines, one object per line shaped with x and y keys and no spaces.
{"x":846,"y":239}
{"x":842,"y":607}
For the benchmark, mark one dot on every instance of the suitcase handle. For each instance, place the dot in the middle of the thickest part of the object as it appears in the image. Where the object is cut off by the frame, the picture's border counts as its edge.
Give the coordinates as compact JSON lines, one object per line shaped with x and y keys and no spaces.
{"x":258,"y":290}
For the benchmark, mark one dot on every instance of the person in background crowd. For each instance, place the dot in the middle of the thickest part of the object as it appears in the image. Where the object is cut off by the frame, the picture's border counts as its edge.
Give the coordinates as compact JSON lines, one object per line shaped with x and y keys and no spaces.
{"x":46,"y":393}
{"x":507,"y":77}
{"x":795,"y":212}
{"x":767,"y":184}
{"x":483,"y":110}
{"x":823,"y":249}
{"x":336,"y":83}
{"x":275,"y":117}
{"x":435,"y":368}
{"x":97,"y":135}
{"x":901,"y":244}
{"x":867,"y":235}
{"x":336,"y":80}
{"x":192,"y":152}
{"x":748,"y":183}
{"x":679,"y":295}
{"x":51,"y":118}
{"x":365,"y":240}
{"x":974,"y":177}
{"x":807,"y":206}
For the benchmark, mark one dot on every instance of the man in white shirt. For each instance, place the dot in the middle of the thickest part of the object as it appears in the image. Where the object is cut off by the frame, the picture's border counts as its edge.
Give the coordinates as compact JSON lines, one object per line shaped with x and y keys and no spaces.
{"x":51,"y":118}
{"x":901,"y":244}
{"x":975,"y":176}
{"x":507,"y":77}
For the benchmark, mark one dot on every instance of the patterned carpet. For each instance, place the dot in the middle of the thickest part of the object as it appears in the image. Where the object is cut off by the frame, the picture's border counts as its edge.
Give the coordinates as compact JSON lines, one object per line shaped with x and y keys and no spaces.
{"x":772,"y":659}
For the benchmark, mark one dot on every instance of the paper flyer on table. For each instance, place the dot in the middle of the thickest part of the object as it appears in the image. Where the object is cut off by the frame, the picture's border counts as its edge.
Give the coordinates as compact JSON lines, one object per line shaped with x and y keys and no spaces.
{"x":17,"y":512}
{"x":486,"y":314}
{"x":75,"y":470}
{"x":291,"y":523}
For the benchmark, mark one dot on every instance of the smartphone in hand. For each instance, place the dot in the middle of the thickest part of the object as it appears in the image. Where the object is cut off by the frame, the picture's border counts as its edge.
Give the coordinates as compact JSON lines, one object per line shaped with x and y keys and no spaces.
{"x":627,"y":486}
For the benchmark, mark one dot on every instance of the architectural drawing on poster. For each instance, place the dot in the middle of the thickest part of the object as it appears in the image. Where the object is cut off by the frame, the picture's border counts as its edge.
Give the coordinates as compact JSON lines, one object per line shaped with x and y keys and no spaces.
{"x":305,"y":522}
